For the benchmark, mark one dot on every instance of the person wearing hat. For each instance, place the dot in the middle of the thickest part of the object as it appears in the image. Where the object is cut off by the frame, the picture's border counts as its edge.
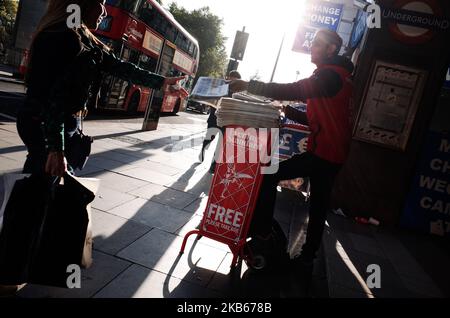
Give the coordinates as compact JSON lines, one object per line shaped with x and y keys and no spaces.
{"x":327,"y":94}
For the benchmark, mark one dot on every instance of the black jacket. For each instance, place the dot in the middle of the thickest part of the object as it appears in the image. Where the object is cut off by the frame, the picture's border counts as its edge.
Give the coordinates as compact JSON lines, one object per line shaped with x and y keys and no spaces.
{"x":65,"y":68}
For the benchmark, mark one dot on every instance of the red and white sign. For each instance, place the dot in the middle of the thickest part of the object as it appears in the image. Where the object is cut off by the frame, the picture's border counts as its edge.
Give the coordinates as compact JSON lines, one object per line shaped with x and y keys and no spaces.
{"x":418,"y":14}
{"x":233,"y":192}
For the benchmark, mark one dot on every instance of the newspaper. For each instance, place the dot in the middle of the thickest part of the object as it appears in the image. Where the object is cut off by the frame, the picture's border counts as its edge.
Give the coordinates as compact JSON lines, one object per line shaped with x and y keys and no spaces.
{"x":208,"y":88}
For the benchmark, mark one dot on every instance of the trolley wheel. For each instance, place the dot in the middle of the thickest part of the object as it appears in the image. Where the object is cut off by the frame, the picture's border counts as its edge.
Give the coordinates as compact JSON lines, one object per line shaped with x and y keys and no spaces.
{"x":256,"y":262}
{"x":264,"y":255}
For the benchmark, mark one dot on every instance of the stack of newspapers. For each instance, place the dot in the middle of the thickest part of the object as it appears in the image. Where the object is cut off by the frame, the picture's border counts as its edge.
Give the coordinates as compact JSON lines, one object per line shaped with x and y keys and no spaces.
{"x":239,"y":112}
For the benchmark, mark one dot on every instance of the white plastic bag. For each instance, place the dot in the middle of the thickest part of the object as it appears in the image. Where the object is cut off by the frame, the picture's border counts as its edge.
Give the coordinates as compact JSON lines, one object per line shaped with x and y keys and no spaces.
{"x":93,"y":185}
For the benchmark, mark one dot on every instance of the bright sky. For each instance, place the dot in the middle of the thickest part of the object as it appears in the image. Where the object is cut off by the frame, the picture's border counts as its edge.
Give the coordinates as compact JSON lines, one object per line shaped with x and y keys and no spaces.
{"x":266,"y":22}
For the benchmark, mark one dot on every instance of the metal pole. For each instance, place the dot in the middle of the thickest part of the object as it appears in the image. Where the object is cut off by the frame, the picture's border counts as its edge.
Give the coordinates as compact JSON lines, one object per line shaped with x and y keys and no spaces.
{"x":278,"y":57}
{"x":149,"y":105}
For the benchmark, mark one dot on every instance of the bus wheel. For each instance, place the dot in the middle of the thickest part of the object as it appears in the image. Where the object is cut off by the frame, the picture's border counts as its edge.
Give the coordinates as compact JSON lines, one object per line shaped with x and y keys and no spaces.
{"x":134,"y":103}
{"x":176,"y":109}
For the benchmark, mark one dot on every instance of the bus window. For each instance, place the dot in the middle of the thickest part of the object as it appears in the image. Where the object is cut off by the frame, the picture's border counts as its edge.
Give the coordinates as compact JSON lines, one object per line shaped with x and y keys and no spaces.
{"x":160,"y":23}
{"x":171,"y":33}
{"x":191,"y":49}
{"x":146,"y":13}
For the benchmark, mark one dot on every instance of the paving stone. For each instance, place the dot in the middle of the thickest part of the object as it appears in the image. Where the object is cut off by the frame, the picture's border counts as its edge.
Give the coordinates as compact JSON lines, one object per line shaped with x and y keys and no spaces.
{"x":118,"y":181}
{"x":141,"y":282}
{"x":103,"y":270}
{"x":156,"y":166}
{"x":8,"y":165}
{"x":159,"y":250}
{"x":163,"y":195}
{"x":107,"y":164}
{"x":198,"y":206}
{"x":112,"y":233}
{"x":344,"y":272}
{"x":192,"y":224}
{"x":366,"y":245}
{"x":152,"y":214}
{"x":149,"y":176}
{"x":107,"y":199}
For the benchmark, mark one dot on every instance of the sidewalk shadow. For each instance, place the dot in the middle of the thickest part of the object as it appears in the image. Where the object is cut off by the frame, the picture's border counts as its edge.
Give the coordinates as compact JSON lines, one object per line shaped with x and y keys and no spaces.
{"x":143,"y":214}
{"x":153,"y":253}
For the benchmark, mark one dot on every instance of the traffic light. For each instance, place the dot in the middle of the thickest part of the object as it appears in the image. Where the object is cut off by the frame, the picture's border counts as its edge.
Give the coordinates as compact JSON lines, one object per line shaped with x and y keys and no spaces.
{"x":232,"y":66}
{"x":239,"y":46}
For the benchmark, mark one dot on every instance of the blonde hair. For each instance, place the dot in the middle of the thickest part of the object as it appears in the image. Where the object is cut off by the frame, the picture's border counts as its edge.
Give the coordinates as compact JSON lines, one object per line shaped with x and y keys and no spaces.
{"x":57,"y":13}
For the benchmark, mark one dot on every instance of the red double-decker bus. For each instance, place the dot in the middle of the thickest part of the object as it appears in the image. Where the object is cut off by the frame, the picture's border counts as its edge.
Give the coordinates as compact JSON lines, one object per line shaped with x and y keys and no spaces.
{"x":144,"y":33}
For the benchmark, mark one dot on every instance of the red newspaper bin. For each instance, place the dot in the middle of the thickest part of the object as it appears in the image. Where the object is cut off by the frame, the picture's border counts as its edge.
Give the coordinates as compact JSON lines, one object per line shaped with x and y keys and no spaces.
{"x":234,"y":191}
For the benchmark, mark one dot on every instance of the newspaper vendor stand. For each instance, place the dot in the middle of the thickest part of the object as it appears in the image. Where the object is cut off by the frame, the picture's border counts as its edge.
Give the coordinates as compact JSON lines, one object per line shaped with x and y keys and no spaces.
{"x":234,"y":190}
{"x":293,"y":140}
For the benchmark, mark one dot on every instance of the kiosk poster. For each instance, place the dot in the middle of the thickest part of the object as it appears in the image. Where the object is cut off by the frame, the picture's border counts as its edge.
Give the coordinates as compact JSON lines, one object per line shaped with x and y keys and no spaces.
{"x":427,"y":206}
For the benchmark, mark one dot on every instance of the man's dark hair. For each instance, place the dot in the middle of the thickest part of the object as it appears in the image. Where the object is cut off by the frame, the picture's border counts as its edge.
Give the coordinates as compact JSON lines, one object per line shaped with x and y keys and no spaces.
{"x":331,"y":37}
{"x":234,"y":74}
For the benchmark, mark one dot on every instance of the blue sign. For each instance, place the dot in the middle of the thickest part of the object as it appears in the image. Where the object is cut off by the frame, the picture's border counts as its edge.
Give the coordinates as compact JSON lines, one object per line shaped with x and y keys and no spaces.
{"x":324,"y":15}
{"x":358,"y":29}
{"x":427,"y":206}
{"x":293,"y":136}
{"x":303,"y":39}
{"x":318,"y":15}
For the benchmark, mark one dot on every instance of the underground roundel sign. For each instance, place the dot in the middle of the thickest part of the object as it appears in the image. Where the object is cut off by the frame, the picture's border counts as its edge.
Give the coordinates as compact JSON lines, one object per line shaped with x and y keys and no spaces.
{"x":415,"y":21}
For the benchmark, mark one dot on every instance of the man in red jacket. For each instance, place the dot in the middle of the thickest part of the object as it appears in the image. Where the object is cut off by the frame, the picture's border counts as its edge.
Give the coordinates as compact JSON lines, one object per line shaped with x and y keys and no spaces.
{"x":327,"y":94}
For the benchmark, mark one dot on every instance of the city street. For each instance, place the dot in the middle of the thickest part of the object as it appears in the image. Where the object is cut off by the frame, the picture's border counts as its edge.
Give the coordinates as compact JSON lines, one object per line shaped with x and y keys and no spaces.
{"x":334,"y":180}
{"x":153,"y":191}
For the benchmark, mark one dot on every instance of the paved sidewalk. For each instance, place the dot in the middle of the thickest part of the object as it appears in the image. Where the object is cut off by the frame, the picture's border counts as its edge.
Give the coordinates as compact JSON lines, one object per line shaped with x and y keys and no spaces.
{"x":411,"y":265}
{"x":7,"y":74}
{"x":152,"y":193}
